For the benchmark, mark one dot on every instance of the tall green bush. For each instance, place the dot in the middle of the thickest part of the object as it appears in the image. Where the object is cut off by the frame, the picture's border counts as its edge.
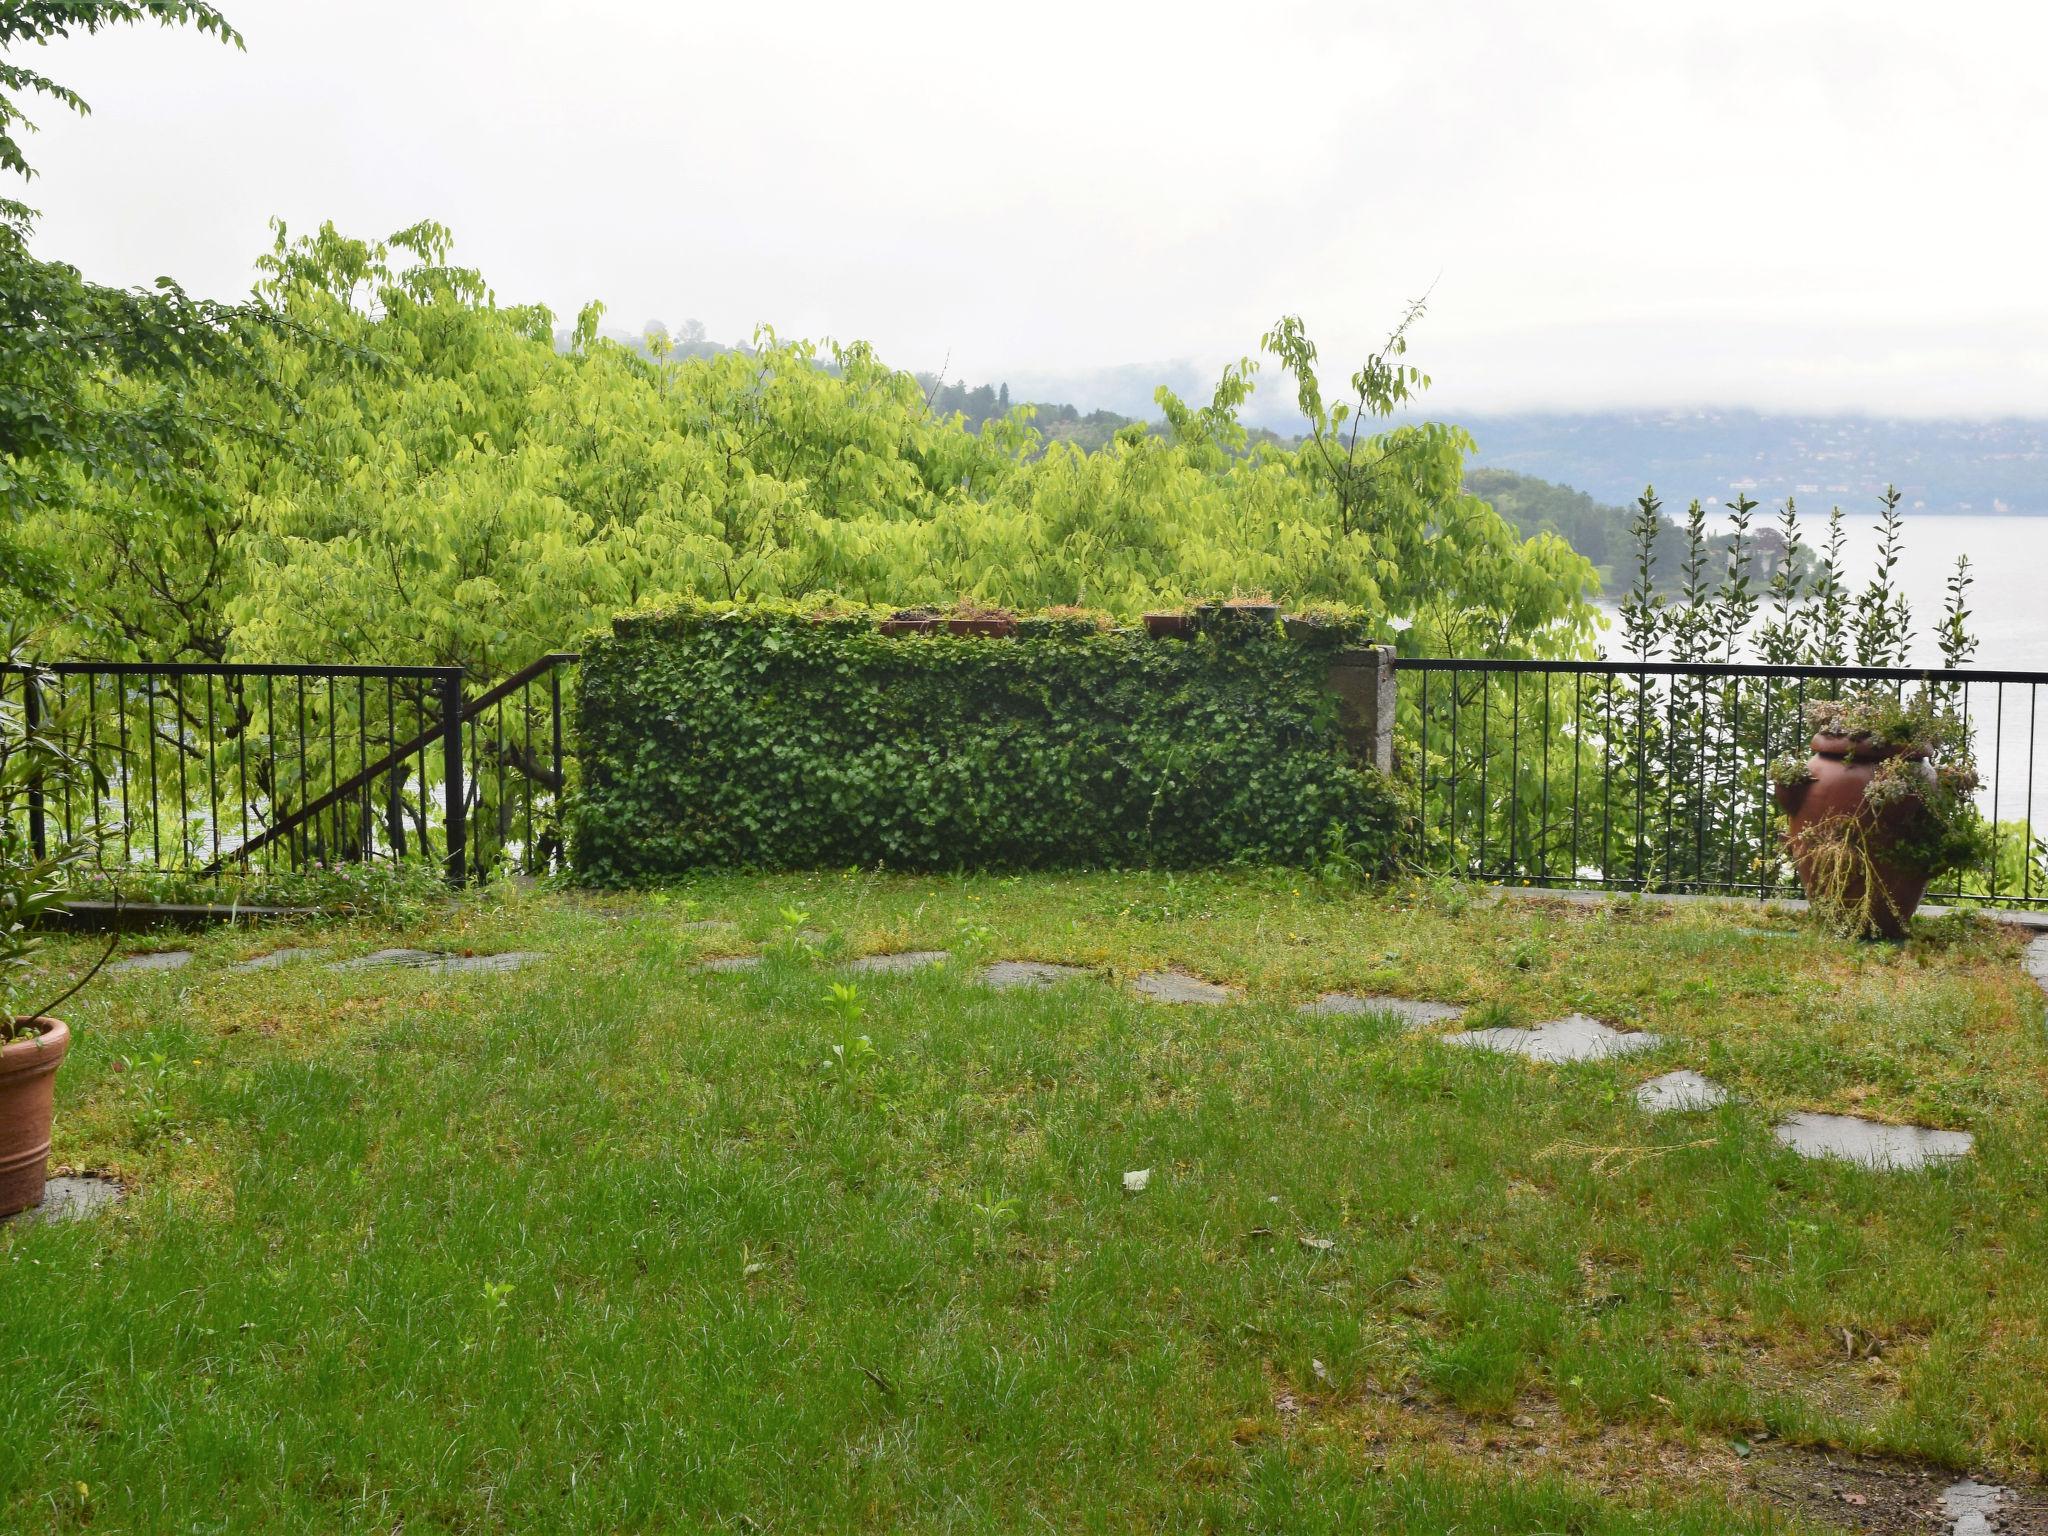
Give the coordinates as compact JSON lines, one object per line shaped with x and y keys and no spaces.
{"x":767,"y":737}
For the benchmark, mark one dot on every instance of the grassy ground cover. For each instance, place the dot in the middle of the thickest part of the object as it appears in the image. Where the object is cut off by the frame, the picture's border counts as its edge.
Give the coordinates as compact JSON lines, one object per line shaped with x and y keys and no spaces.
{"x":608,"y":1244}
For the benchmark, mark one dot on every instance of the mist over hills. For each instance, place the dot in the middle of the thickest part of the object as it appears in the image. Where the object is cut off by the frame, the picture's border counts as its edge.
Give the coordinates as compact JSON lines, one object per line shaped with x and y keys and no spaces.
{"x":1995,"y":466}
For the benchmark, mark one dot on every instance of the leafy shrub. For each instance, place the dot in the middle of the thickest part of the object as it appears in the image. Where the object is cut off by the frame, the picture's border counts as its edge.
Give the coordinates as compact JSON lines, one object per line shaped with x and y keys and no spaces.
{"x":767,"y":737}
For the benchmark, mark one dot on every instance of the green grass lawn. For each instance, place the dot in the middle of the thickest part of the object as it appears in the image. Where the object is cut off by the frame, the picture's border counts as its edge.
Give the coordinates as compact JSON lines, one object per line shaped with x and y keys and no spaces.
{"x":606,"y":1245}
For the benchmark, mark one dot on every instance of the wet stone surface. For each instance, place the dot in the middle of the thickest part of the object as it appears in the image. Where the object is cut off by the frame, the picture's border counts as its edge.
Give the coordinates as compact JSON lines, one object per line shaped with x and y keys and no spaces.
{"x":719,"y":965}
{"x":1970,"y":1506}
{"x":162,"y":960}
{"x":71,"y":1196}
{"x":1573,"y":1038}
{"x":1007,"y":975}
{"x":897,"y":964}
{"x":1870,"y":1143}
{"x":1415,"y":1012}
{"x":1678,"y":1093}
{"x":276,"y":958}
{"x":1179,"y":987}
{"x":437,"y":963}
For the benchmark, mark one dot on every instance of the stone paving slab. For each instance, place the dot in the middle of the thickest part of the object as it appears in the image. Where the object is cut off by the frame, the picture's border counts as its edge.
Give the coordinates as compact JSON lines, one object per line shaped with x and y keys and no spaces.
{"x":70,"y":1197}
{"x":438,"y":962}
{"x":1006,"y":975}
{"x":162,"y":960}
{"x":726,"y":964}
{"x":1415,"y":1012}
{"x":1180,"y":987}
{"x":2036,"y":961}
{"x":1679,"y":1093}
{"x":276,"y":958}
{"x":897,"y":964}
{"x":707,"y":925}
{"x":1573,"y":1038}
{"x":1853,"y":1139}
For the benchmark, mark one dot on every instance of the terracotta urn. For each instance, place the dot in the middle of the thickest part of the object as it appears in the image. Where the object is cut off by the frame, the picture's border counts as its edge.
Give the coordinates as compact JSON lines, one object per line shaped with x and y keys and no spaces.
{"x":28,"y":1078}
{"x":1835,"y":792}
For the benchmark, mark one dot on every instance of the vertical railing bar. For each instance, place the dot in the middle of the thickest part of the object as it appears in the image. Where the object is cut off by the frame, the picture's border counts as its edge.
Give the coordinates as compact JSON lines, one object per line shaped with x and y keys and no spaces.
{"x":270,"y":743}
{"x":156,"y":813}
{"x":452,"y":788}
{"x":561,"y":785}
{"x":127,"y":816}
{"x":1997,"y":763}
{"x":32,"y":717}
{"x":334,"y":812}
{"x":1578,"y":743}
{"x":184,"y":787}
{"x":212,"y":776}
{"x":1514,"y":773}
{"x":366,"y":851}
{"x":1734,"y":758}
{"x":526,"y":726}
{"x":2027,"y":863}
{"x":1543,"y":815}
{"x":1422,"y":816}
{"x":1485,"y":795}
{"x":1763,"y":802}
{"x":300,"y":837}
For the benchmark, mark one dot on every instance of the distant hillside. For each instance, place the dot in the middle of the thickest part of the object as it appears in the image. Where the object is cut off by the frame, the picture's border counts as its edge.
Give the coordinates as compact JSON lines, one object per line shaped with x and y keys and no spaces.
{"x":1941,"y":466}
{"x":1600,"y":530}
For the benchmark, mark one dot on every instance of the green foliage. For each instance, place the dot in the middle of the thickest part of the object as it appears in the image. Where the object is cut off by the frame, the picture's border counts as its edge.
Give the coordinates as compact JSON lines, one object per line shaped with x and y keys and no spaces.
{"x":437,"y":482}
{"x":770,"y":737}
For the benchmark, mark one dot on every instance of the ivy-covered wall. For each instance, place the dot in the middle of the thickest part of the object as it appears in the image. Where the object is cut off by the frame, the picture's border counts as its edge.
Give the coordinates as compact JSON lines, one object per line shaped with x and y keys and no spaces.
{"x":772,"y":739}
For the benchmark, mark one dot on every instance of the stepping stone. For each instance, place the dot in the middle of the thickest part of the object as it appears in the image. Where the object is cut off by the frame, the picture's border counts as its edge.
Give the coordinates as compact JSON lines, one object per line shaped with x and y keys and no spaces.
{"x":1969,"y":1505}
{"x":1574,"y":1038}
{"x":897,"y":964}
{"x":707,"y":925}
{"x":1414,"y":1012}
{"x":438,"y":962}
{"x":2036,"y":961}
{"x":162,"y":960}
{"x":504,"y":960}
{"x":1874,"y":1145}
{"x":273,"y":960}
{"x":1006,"y":975}
{"x":1180,"y":987}
{"x":70,"y":1196}
{"x":723,"y":964}
{"x":1679,"y":1093}
{"x":386,"y":957}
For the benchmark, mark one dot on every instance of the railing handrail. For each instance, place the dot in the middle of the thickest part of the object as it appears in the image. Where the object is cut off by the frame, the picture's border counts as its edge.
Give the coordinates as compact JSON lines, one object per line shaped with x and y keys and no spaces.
{"x":217,"y":669}
{"x":1719,"y":669}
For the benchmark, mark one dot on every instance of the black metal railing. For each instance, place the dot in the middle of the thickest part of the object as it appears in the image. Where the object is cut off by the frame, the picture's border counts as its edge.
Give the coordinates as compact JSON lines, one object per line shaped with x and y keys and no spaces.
{"x":211,"y":770}
{"x":1621,"y":775}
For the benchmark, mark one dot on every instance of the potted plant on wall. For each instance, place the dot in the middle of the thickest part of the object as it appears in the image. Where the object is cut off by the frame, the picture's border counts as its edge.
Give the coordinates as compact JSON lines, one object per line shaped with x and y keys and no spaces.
{"x":972,"y":618}
{"x":33,"y":765}
{"x":1170,"y":624}
{"x":1882,"y":807}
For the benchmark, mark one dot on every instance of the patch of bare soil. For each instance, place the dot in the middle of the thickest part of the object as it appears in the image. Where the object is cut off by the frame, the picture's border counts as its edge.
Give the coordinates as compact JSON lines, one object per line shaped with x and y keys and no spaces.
{"x":1889,"y":1498}
{"x":1639,"y":1462}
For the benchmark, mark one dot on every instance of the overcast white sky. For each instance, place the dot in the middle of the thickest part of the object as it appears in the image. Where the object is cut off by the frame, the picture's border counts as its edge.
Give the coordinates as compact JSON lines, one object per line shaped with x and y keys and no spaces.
{"x":1779,"y":203}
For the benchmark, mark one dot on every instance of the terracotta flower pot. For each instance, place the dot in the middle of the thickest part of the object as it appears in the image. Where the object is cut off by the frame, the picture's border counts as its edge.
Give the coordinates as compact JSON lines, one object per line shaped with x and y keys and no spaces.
{"x":28,"y":1076}
{"x":1169,"y":626}
{"x":1834,"y":791}
{"x":909,"y":626}
{"x":993,"y":628}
